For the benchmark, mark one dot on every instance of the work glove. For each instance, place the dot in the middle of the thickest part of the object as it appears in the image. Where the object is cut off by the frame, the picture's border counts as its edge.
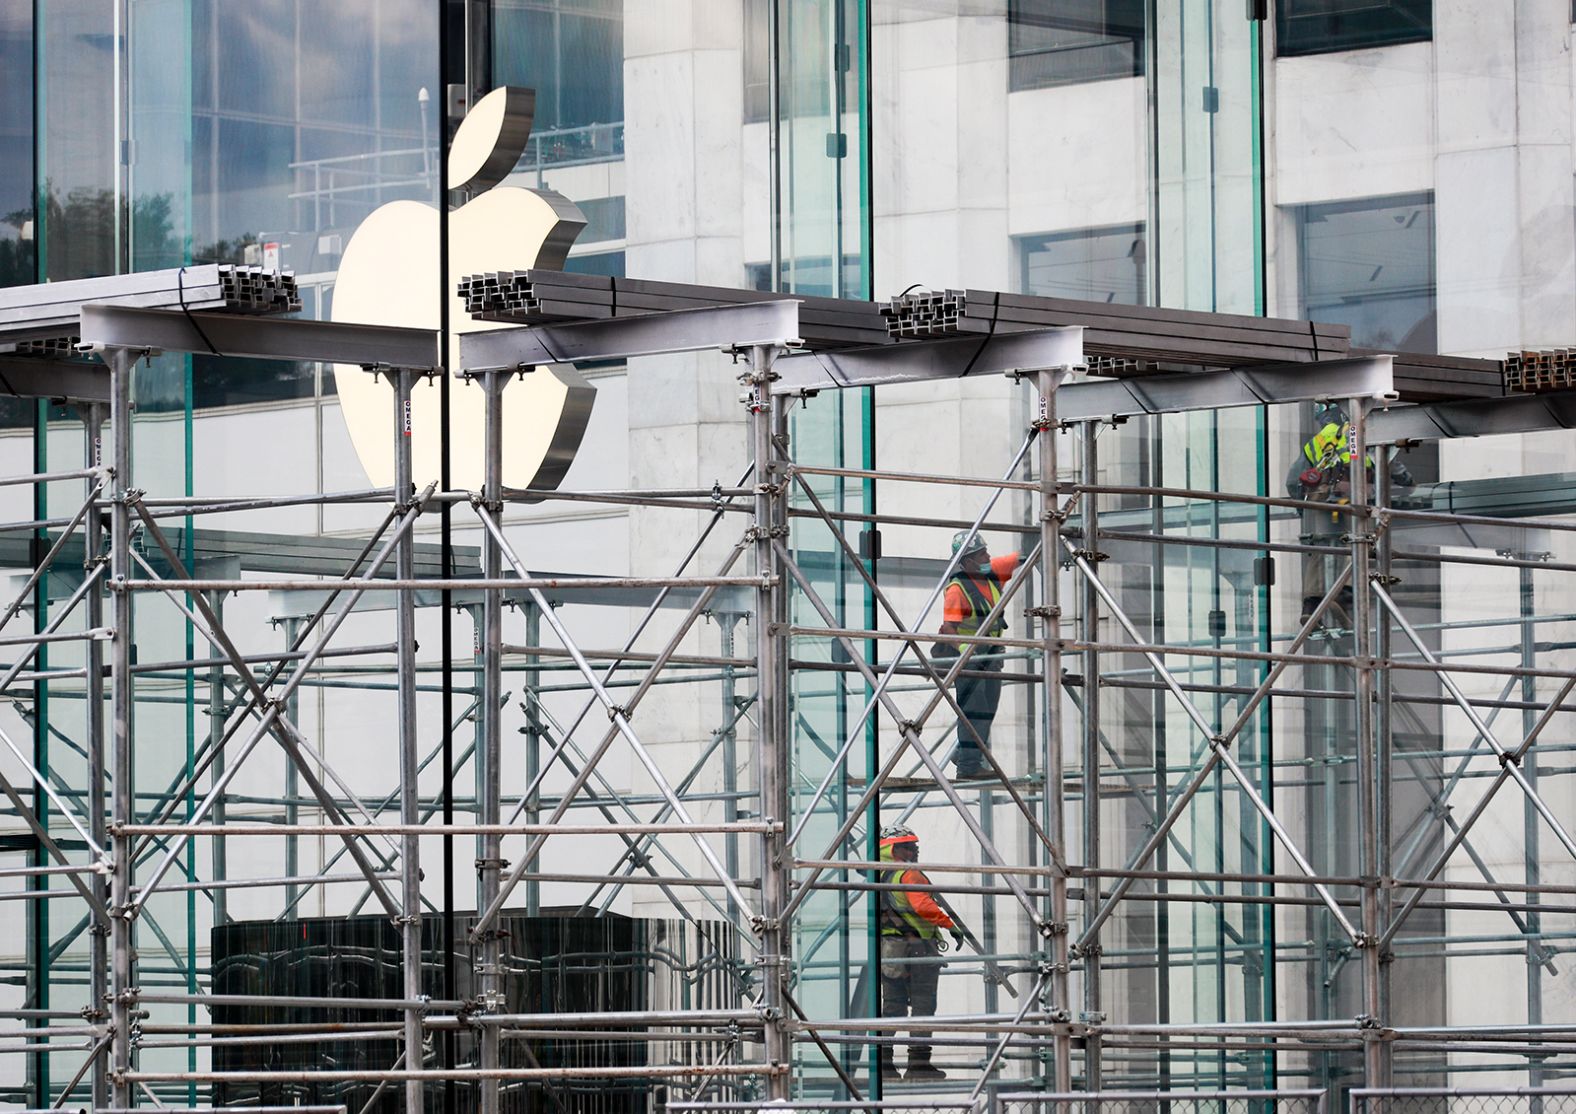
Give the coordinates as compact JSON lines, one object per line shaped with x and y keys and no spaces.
{"x":957,"y":940}
{"x":1311,"y":477}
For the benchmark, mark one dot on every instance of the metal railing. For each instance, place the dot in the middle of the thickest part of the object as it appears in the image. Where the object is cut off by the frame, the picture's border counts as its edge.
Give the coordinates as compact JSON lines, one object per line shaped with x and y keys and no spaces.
{"x":373,"y":177}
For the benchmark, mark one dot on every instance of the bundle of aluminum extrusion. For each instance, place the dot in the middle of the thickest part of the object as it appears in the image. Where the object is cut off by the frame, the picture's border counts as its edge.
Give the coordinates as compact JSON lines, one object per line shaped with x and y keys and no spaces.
{"x":50,"y":310}
{"x":1534,"y":371}
{"x":1139,"y":333}
{"x":537,"y":297}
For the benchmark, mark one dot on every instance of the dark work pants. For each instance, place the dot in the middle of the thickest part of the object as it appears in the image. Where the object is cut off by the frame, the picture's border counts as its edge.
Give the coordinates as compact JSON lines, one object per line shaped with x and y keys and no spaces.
{"x":910,"y":970}
{"x":979,"y":698}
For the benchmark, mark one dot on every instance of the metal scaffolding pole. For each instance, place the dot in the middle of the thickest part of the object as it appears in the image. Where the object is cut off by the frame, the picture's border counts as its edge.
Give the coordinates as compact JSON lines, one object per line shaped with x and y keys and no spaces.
{"x":1361,"y":526}
{"x":489,"y":755}
{"x":94,"y":737}
{"x":122,"y":980}
{"x":1051,"y":518}
{"x":768,"y":431}
{"x":402,"y":380}
{"x":1093,"y":1010}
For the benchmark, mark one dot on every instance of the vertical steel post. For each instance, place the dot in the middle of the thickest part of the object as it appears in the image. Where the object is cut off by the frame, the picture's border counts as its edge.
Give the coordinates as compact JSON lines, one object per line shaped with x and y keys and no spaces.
{"x":489,"y":755}
{"x":292,"y":784}
{"x":216,"y":707}
{"x":409,"y":758}
{"x":122,"y":992}
{"x":532,"y":682}
{"x":98,"y":944}
{"x":1384,"y":731}
{"x":1050,"y":613}
{"x":727,"y":626}
{"x":768,"y":421}
{"x":1089,"y":624}
{"x":1360,"y":531}
{"x":1536,"y":954}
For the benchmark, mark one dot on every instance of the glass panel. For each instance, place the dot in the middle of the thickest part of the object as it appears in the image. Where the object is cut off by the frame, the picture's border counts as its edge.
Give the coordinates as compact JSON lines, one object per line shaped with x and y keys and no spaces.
{"x":80,"y":149}
{"x":1369,"y":264}
{"x":17,"y":224}
{"x":1097,"y":265}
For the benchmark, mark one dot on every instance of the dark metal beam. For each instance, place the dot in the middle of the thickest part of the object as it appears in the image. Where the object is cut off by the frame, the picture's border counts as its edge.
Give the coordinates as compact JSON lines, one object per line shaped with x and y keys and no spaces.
{"x":29,"y":377}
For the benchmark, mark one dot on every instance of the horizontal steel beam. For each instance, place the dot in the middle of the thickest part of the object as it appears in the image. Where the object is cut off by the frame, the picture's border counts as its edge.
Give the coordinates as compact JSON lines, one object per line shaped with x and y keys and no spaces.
{"x":261,"y":338}
{"x":1478,"y":418}
{"x":27,"y":377}
{"x":926,"y":361}
{"x":1362,"y":377}
{"x":745,"y":325}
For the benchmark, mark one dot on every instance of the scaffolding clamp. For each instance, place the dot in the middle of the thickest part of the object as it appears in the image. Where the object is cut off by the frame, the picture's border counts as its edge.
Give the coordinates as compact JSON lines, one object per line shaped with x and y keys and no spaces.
{"x":1509,"y":758}
{"x":618,"y":711}
{"x":1044,"y":611}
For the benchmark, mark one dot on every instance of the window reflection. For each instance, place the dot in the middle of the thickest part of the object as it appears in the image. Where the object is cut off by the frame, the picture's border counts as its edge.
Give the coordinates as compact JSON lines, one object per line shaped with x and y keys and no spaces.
{"x":1091,"y":264}
{"x":1370,"y":264}
{"x":1321,"y":26}
{"x":1057,"y":42}
{"x":572,"y":53}
{"x":306,"y":118}
{"x":16,"y":144}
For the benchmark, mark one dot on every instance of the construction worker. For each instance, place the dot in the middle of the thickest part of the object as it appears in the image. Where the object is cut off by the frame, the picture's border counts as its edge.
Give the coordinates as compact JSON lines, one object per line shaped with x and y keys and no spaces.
{"x":911,"y":945}
{"x":1322,"y":473}
{"x":970,"y":596}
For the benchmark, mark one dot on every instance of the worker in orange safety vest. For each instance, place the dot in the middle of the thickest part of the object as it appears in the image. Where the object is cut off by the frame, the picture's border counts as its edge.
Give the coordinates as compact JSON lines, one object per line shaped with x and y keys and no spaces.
{"x":911,"y":946}
{"x":971,"y":595}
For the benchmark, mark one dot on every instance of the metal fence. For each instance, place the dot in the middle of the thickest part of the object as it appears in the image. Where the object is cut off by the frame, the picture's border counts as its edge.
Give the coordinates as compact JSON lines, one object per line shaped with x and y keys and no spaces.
{"x":1464,"y":1100}
{"x":818,"y":1106}
{"x":1162,"y":1102}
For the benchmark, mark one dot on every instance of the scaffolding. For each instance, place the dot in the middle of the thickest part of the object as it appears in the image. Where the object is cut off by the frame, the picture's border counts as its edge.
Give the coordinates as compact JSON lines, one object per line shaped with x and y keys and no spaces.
{"x":784,"y":858}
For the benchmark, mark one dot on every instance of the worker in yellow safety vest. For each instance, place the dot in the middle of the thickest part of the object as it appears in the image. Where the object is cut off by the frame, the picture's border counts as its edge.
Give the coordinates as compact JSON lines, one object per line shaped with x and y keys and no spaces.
{"x":912,"y":922}
{"x":1322,"y":473}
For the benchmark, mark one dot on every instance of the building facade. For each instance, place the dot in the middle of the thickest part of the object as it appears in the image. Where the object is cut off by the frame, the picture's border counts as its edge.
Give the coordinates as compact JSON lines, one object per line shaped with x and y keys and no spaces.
{"x":1406,"y":168}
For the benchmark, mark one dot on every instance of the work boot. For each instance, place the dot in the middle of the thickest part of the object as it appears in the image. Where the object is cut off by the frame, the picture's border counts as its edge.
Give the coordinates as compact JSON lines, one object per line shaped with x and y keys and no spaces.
{"x":1310,"y":604}
{"x":889,"y":1072}
{"x":969,"y":765}
{"x":921,"y":1070}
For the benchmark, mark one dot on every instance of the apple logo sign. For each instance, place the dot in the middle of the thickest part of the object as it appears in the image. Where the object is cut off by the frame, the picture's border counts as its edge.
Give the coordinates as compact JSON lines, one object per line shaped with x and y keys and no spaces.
{"x":388,"y":276}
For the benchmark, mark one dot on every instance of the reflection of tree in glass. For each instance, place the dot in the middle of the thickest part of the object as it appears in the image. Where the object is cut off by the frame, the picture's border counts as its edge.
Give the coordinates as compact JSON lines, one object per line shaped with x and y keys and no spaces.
{"x":81,"y":228}
{"x":16,"y":254}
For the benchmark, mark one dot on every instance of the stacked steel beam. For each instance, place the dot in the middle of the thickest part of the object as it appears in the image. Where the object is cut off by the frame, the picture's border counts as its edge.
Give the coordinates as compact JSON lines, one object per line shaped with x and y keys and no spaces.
{"x":1119,"y":341}
{"x":50,"y":311}
{"x":1134,"y":332}
{"x":1532,"y":372}
{"x":537,"y":297}
{"x":1425,"y":378}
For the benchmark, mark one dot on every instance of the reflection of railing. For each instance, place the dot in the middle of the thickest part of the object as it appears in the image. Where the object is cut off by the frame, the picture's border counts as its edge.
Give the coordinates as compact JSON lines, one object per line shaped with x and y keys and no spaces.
{"x":573,"y":147}
{"x":364,"y":180}
{"x":374,"y":177}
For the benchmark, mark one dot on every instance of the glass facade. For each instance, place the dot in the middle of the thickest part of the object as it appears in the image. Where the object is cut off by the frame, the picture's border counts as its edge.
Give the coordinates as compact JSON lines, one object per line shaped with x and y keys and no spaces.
{"x":1404,"y":168}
